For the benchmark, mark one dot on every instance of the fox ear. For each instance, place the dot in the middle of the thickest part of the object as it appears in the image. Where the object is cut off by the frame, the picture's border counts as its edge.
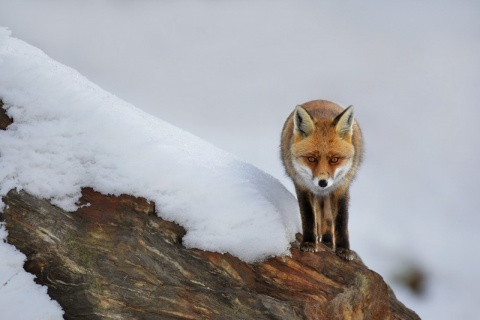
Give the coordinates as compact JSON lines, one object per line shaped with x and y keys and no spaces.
{"x":303,"y":122}
{"x":344,"y":123}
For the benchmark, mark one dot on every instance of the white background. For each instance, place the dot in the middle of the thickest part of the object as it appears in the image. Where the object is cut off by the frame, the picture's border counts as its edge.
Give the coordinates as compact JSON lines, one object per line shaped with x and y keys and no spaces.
{"x":230,"y":72}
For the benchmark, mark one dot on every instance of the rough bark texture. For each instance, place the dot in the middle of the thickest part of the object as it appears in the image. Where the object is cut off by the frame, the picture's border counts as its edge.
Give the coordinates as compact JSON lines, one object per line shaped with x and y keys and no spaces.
{"x":115,"y":259}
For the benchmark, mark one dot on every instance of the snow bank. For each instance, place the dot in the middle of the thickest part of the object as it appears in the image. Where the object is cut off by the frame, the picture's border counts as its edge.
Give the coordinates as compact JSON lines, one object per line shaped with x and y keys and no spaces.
{"x":69,"y":133}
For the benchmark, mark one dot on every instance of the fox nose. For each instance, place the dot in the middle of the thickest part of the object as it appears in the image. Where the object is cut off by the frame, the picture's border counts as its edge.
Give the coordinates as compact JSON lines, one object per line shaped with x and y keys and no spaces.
{"x":323,"y":183}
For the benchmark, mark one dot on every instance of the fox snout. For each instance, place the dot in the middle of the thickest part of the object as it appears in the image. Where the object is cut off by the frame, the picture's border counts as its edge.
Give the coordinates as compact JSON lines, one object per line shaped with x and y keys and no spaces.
{"x":323,"y":180}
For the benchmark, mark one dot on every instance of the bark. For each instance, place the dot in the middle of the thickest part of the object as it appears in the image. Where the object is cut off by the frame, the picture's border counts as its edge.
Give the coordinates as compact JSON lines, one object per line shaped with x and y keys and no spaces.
{"x":115,"y":259}
{"x":5,"y":120}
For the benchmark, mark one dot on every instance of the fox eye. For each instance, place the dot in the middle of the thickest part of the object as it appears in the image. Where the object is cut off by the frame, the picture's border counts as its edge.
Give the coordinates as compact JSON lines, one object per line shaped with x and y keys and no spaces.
{"x":334,"y":159}
{"x":312,"y":159}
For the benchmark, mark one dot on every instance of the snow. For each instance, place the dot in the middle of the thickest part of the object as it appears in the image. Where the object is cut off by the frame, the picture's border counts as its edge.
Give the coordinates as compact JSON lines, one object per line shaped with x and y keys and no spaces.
{"x":230,"y":72}
{"x":68,"y":133}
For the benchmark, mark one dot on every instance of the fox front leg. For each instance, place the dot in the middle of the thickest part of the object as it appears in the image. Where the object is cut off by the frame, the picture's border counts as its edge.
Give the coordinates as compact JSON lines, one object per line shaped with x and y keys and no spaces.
{"x":342,"y":243}
{"x":325,"y":227}
{"x":307,"y":212}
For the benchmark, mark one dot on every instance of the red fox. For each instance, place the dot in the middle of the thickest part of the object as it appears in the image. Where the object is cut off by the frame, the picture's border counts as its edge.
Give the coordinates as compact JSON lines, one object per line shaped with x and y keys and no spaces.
{"x":321,"y":150}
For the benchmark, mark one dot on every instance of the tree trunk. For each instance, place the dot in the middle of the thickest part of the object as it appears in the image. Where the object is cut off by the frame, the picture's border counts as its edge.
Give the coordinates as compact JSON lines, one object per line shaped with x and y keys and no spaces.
{"x":115,"y":259}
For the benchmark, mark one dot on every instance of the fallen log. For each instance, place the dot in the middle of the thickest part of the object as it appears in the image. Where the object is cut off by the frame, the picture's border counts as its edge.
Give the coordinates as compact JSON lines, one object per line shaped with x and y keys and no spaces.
{"x":114,"y":258}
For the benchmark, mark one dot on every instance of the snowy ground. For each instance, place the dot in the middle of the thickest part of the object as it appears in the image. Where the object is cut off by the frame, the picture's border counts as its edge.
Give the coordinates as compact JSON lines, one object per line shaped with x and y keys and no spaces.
{"x":230,"y":72}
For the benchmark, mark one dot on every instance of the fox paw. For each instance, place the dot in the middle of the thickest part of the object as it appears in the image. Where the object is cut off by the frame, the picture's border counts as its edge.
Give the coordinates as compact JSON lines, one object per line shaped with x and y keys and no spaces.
{"x":347,"y":254}
{"x":308,"y":246}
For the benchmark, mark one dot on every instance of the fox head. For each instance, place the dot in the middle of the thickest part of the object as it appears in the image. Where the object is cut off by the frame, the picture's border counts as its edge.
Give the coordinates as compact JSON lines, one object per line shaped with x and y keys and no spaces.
{"x":322,"y":149}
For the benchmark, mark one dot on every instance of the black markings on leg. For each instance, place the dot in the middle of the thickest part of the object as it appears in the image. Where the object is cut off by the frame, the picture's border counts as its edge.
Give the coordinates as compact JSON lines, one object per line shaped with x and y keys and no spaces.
{"x":308,"y":216}
{"x":341,"y":223}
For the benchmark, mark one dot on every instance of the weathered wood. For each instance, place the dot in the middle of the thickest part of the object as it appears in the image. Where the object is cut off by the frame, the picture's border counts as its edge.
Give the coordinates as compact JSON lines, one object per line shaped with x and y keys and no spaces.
{"x":5,"y":120}
{"x":115,"y":259}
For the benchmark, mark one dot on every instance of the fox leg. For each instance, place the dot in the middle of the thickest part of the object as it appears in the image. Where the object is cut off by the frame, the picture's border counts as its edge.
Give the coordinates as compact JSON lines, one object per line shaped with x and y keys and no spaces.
{"x":309,"y":225}
{"x":326,"y":222}
{"x":342,"y":243}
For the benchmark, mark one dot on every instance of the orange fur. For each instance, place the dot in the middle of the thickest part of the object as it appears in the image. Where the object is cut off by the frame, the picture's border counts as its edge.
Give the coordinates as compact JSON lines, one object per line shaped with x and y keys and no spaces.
{"x":321,"y":148}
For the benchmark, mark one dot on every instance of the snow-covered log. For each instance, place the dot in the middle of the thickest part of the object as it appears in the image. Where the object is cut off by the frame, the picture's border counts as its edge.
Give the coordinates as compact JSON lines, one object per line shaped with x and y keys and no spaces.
{"x":113,"y":258}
